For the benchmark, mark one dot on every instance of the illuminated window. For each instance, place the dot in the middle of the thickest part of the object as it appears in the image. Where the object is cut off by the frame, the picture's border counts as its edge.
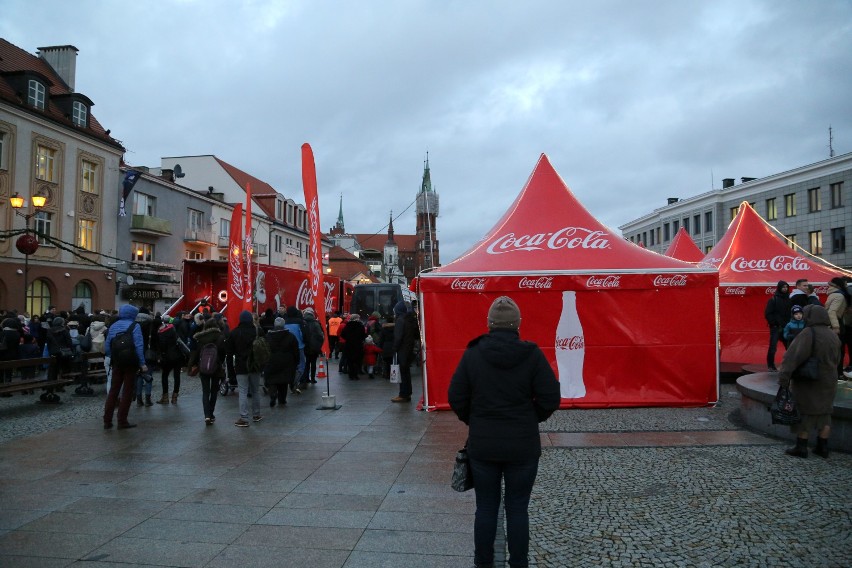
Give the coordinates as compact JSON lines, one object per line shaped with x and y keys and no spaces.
{"x":38,"y":297}
{"x":36,"y":96}
{"x":45,"y":163}
{"x":790,"y":205}
{"x":835,"y":189}
{"x":791,"y":240}
{"x":79,"y":114}
{"x":814,"y":204}
{"x":734,"y":211}
{"x":142,"y":252}
{"x":86,"y":234}
{"x":88,"y":177}
{"x":771,"y":210}
{"x":815,"y":238}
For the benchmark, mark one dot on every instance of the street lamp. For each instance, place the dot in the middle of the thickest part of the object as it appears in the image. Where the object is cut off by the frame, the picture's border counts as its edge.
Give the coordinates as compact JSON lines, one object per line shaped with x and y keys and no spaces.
{"x":27,"y":244}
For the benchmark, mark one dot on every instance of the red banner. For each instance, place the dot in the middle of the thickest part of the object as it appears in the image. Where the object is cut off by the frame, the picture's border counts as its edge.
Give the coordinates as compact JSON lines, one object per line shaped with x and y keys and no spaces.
{"x":236,"y":291}
{"x":248,"y":248}
{"x":309,"y":182}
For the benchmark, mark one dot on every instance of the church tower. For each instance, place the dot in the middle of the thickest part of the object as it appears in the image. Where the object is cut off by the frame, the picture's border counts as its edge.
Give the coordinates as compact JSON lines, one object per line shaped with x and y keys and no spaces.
{"x":338,"y":228}
{"x":391,"y":256}
{"x":426,"y":255}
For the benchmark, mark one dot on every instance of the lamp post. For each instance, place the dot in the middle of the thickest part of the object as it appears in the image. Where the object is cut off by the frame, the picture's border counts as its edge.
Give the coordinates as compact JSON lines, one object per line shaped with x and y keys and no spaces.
{"x":26,"y":243}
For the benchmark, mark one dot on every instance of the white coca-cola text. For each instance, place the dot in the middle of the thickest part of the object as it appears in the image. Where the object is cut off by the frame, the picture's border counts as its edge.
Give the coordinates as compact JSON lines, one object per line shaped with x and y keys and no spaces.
{"x":566,"y":237}
{"x":572,"y":343}
{"x":236,"y":283}
{"x":776,"y":263}
{"x":540,"y":283}
{"x":673,"y":280}
{"x":735,"y":291}
{"x":603,"y":282}
{"x":468,"y":284}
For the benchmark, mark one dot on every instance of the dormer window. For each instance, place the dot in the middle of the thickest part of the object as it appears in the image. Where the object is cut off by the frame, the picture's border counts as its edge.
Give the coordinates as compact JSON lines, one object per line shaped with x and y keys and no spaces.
{"x":36,"y":96}
{"x":80,"y":114}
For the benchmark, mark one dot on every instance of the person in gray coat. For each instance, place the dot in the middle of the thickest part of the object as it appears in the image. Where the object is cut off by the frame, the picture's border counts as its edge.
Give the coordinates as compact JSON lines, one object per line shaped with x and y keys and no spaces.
{"x":815,"y":399}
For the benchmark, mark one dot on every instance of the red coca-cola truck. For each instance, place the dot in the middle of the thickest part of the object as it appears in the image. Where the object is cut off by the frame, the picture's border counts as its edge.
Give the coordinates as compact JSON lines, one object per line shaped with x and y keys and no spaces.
{"x":274,"y":286}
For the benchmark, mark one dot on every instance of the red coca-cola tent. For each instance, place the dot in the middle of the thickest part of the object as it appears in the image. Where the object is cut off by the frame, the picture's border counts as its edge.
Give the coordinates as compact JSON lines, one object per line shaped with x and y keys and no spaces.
{"x":684,"y":248}
{"x":752,"y":256}
{"x":624,"y":326}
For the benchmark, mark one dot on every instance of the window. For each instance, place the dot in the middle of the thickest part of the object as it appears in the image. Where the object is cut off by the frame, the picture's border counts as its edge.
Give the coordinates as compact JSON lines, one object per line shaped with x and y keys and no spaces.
{"x":708,"y":222}
{"x":82,"y":296}
{"x":2,"y":147}
{"x":838,"y":240}
{"x":86,"y":234}
{"x":36,"y":94}
{"x":686,"y":224}
{"x":658,"y":234}
{"x":144,"y":204}
{"x":194,"y":255}
{"x":43,"y":226}
{"x":45,"y":163}
{"x":835,"y":189}
{"x":195,"y":220}
{"x":224,"y":228}
{"x":289,"y":214}
{"x":815,"y":239}
{"x":79,"y":114}
{"x":666,"y":232}
{"x":734,"y":211}
{"x":791,"y":240}
{"x":771,"y":210}
{"x":38,"y":297}
{"x":813,"y":200}
{"x":650,"y":243}
{"x":790,"y":205}
{"x":89,"y":180}
{"x":142,"y":252}
{"x":708,"y":248}
{"x":675,"y":226}
{"x":279,"y":243}
{"x":696,"y":225}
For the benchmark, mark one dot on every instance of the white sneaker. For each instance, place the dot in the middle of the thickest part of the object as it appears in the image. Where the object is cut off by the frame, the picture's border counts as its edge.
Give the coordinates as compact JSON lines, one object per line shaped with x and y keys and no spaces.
{"x":848,"y":374}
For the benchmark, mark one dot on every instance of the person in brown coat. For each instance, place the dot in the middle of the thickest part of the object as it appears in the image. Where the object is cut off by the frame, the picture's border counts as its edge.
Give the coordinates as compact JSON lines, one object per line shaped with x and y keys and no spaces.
{"x":814,"y":398}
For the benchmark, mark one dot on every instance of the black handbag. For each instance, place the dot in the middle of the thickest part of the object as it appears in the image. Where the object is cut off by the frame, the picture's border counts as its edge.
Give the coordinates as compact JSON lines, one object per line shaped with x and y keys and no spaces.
{"x":809,"y":370}
{"x":66,"y":353}
{"x":462,"y":475}
{"x":784,"y":409}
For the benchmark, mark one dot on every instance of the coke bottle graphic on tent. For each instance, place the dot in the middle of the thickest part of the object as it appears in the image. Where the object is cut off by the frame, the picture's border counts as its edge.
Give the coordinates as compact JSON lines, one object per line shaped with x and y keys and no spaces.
{"x":570,"y":349}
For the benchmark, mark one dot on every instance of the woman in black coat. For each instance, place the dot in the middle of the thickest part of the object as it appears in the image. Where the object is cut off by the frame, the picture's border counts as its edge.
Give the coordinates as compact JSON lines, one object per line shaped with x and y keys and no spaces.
{"x":211,"y":333}
{"x":502,"y":388}
{"x":280,"y":371}
{"x":354,"y":334}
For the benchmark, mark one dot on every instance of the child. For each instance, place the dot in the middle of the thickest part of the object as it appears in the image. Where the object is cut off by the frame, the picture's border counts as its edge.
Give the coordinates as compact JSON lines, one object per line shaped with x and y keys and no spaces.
{"x":371,"y":353}
{"x":794,"y":326}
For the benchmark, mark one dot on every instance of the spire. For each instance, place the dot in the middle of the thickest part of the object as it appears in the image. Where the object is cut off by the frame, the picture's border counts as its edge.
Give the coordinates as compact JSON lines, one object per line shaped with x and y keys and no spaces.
{"x":339,"y":224}
{"x":390,"y":227}
{"x":427,"y":178}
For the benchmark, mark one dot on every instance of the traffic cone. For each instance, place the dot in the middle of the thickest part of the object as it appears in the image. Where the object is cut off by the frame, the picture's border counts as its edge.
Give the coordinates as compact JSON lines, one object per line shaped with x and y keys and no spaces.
{"x":321,"y":369}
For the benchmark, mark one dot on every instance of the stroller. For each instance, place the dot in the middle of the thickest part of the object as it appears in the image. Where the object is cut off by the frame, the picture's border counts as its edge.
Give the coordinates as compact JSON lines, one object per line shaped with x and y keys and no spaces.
{"x":227,"y":385}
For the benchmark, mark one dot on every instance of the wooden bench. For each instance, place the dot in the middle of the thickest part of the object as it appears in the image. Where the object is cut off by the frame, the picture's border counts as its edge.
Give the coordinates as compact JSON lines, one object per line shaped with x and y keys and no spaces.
{"x":50,"y":386}
{"x":93,"y":373}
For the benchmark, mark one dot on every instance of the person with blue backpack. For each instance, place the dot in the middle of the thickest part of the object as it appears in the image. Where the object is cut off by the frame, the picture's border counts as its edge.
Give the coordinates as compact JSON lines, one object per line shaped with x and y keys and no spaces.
{"x":125,"y":348}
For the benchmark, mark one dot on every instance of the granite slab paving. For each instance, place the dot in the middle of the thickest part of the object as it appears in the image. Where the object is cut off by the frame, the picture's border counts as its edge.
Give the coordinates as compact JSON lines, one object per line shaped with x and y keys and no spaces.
{"x":367,"y":486}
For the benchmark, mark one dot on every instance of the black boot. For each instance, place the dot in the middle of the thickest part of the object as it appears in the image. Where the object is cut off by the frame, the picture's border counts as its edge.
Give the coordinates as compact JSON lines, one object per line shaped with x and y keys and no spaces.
{"x":800,"y":450}
{"x":139,"y":400}
{"x":822,"y":447}
{"x":148,"y":401}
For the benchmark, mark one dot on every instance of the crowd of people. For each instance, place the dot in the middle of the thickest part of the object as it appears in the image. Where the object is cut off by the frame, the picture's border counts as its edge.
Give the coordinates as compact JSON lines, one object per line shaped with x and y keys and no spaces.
{"x":275,"y":352}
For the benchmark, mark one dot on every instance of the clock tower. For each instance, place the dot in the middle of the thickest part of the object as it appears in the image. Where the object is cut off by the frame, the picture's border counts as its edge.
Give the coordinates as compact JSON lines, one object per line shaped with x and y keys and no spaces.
{"x":426,"y":254}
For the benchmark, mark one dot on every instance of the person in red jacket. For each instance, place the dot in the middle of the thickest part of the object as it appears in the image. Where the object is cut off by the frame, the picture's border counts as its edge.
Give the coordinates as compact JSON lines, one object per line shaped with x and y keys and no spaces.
{"x":371,"y":354}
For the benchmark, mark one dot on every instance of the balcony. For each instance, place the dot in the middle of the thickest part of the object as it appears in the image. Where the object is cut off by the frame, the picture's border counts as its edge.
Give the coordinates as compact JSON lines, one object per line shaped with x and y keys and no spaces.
{"x":145,"y":225}
{"x":200,"y":236}
{"x":259,"y":250}
{"x":224,"y":242}
{"x":153,"y":272}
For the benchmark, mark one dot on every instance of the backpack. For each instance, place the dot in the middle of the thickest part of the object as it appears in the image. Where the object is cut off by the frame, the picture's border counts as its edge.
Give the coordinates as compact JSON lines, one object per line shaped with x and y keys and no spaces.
{"x":315,"y":337}
{"x":259,"y":354}
{"x":123,"y":349}
{"x":208,"y":359}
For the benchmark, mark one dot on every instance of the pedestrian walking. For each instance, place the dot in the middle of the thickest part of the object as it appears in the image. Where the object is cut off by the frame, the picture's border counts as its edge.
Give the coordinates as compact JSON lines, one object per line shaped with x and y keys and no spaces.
{"x":280,"y":371}
{"x":209,"y":357}
{"x":124,"y":347}
{"x":406,"y":333}
{"x":502,"y":388}
{"x":240,"y":346}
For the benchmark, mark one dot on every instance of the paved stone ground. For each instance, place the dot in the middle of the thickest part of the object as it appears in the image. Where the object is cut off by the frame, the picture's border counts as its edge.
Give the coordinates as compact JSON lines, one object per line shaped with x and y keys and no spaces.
{"x":366,"y":487}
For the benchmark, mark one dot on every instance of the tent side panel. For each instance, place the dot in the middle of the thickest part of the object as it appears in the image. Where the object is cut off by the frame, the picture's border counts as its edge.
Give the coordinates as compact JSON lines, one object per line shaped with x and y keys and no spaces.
{"x":743,"y":333}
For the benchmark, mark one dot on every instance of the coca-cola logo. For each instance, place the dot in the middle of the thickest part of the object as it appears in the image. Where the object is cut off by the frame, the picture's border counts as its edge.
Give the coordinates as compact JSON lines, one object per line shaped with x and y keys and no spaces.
{"x":572,"y":343}
{"x":540,"y":283}
{"x":603,"y":282}
{"x":821,"y":290}
{"x":710,"y":263}
{"x":776,"y":263}
{"x":735,"y":291}
{"x":468,"y":284}
{"x":673,"y":280}
{"x":770,"y":290}
{"x":236,"y":272}
{"x":566,"y":237}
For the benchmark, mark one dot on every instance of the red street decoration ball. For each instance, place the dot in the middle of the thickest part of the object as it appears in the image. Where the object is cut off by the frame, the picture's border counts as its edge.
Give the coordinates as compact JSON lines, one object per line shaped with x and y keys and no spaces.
{"x":27,"y":244}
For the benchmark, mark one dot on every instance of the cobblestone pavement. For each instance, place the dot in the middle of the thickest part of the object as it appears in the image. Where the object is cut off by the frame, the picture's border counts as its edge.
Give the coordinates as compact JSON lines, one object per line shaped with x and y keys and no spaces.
{"x":737,"y":503}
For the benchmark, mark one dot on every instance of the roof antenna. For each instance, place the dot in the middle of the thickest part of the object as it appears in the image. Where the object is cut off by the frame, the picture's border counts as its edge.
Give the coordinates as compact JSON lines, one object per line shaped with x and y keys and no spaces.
{"x":830,"y":145}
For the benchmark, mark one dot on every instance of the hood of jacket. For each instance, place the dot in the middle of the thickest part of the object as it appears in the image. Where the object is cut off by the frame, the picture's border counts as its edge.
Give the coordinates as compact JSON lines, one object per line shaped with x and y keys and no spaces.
{"x":778,"y":291}
{"x":308,"y":317}
{"x":128,"y":312}
{"x":816,"y":315}
{"x":97,"y":326}
{"x":206,"y":336}
{"x":503,"y":348}
{"x":143,"y":317}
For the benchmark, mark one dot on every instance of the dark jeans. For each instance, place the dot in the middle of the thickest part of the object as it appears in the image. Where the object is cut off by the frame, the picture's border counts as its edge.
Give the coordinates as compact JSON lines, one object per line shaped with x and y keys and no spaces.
{"x":519,"y":478}
{"x":209,"y":392}
{"x":310,"y":372}
{"x":404,"y":375}
{"x":776,"y":336}
{"x":332,"y":346}
{"x":170,"y":368}
{"x":122,"y":381}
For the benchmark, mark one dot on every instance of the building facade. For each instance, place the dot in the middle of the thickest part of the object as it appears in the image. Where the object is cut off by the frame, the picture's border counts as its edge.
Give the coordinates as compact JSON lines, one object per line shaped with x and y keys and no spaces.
{"x":811,"y":206}
{"x":52,"y":146}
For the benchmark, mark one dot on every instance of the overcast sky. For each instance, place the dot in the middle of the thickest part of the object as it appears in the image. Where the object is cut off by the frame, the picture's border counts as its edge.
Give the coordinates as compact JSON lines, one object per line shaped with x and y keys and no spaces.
{"x":632,"y":101}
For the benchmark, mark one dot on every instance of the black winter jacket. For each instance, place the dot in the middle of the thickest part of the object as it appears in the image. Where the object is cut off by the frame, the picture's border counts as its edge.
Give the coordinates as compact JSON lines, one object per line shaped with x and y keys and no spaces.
{"x":239,"y":345}
{"x":777,"y":311}
{"x":502,"y":388}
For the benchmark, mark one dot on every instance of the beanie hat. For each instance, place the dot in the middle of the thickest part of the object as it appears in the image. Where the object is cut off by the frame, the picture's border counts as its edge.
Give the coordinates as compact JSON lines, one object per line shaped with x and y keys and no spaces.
{"x":307,"y":311}
{"x":279,"y":323}
{"x":57,"y":322}
{"x":199,"y":319}
{"x":369,"y":339}
{"x":211,"y":324}
{"x":795,"y":310}
{"x":504,"y":313}
{"x":245,"y":317}
{"x":837,"y":282}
